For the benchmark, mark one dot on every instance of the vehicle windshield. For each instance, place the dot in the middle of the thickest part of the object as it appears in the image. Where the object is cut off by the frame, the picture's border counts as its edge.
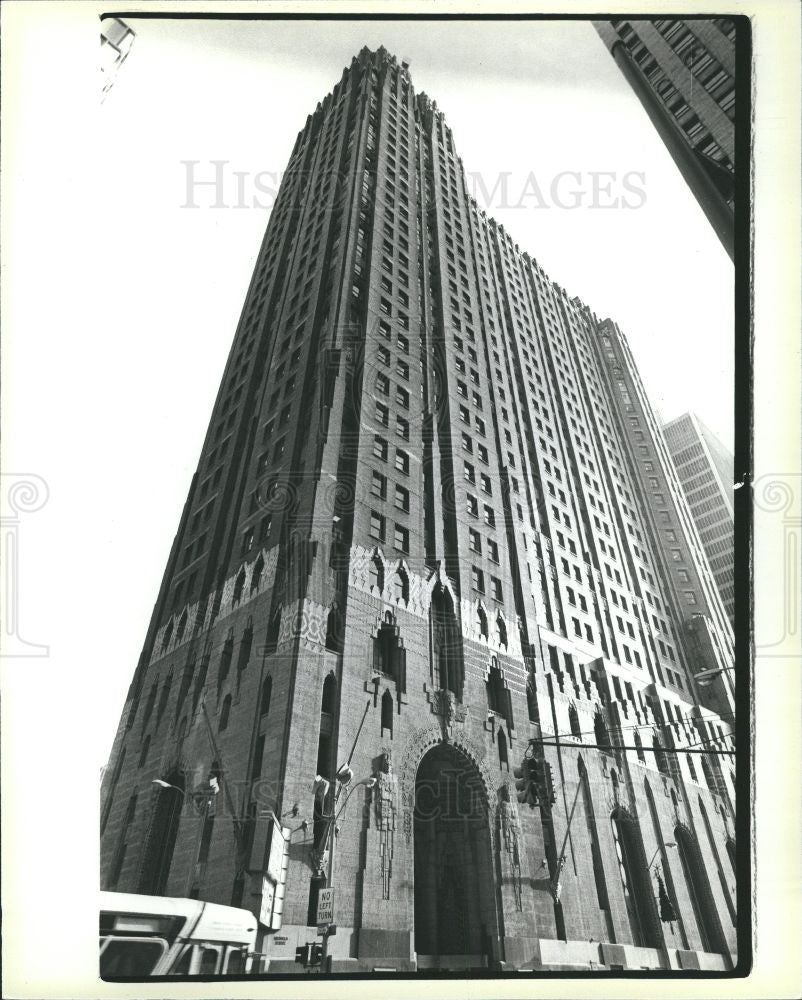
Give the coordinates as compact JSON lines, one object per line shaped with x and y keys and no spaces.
{"x":131,"y":957}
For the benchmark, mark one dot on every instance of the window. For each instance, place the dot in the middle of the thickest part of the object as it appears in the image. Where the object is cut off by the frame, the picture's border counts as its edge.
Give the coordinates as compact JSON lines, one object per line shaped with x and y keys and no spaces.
{"x":380,"y":448}
{"x":379,"y":486}
{"x":477,"y":580}
{"x":402,"y":498}
{"x":472,"y":505}
{"x":376,"y":574}
{"x":402,"y":428}
{"x":496,"y":589}
{"x":267,"y":691}
{"x":382,"y":384}
{"x":401,"y":538}
{"x":224,"y":714}
{"x":400,"y":585}
{"x":690,"y":597}
{"x":135,"y":957}
{"x":402,"y":461}
{"x":490,"y":516}
{"x":492,"y":550}
{"x":376,"y":526}
{"x":487,"y":486}
{"x":573,"y":721}
{"x":383,"y":414}
{"x":475,"y":541}
{"x":387,"y":714}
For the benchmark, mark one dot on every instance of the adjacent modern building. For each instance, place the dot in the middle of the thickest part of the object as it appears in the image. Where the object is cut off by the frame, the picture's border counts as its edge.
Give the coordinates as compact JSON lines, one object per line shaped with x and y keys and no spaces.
{"x":683,"y":72}
{"x":435,"y":535}
{"x":705,"y":470}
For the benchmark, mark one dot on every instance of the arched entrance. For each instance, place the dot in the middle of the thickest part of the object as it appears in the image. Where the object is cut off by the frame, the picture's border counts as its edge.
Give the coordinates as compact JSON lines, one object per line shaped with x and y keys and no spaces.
{"x":455,"y":908}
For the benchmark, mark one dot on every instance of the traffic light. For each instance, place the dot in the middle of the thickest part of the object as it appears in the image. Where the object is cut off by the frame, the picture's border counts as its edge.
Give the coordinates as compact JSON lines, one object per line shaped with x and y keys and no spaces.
{"x":309,"y":954}
{"x":524,"y":785}
{"x":545,"y":782}
{"x":534,"y":782}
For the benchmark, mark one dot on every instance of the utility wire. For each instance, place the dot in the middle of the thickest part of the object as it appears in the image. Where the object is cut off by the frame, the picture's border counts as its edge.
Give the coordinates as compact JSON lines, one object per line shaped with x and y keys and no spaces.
{"x":648,"y":726}
{"x":613,"y":746}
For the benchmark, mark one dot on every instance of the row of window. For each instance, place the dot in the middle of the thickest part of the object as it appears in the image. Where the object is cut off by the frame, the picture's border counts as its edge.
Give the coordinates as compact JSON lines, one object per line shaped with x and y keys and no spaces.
{"x":478,"y":584}
{"x":378,"y":531}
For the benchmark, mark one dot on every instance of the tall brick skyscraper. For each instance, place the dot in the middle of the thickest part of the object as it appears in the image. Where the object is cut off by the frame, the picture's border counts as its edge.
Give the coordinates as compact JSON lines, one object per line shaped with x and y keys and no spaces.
{"x":434,"y":518}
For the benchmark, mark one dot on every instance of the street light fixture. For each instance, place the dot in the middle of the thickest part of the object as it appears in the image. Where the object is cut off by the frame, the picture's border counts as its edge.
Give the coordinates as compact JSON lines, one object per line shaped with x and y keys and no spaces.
{"x":345,"y":775}
{"x":166,"y":784}
{"x":705,"y":677}
{"x":669,"y":843}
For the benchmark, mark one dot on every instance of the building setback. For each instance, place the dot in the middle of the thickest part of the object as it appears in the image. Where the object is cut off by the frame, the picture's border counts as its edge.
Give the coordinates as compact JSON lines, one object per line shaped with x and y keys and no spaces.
{"x":434,"y":518}
{"x":704,"y":467}
{"x":683,"y":72}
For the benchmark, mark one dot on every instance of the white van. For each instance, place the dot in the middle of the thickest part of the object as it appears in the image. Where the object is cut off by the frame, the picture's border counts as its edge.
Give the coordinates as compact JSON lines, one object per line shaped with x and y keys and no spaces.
{"x":159,"y":936}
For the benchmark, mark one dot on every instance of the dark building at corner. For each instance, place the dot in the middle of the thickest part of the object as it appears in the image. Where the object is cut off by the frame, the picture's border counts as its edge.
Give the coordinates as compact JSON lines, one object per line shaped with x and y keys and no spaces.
{"x":683,"y":72}
{"x":434,"y":519}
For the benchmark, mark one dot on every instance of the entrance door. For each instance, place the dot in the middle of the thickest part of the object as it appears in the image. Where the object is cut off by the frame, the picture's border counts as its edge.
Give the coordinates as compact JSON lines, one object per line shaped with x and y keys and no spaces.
{"x":455,"y":912}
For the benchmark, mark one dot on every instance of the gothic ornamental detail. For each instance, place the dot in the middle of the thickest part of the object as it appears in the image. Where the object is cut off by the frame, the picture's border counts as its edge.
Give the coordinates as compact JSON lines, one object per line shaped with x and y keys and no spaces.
{"x":384,"y":798}
{"x":511,"y":841}
{"x":444,"y":703}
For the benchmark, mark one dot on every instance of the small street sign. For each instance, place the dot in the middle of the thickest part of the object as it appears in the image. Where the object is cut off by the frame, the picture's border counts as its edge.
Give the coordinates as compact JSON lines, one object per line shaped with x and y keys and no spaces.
{"x":325,"y":907}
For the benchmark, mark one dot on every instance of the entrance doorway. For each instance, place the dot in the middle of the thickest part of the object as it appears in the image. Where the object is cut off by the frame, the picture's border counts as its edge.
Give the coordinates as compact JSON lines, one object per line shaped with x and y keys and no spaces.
{"x":455,"y":908}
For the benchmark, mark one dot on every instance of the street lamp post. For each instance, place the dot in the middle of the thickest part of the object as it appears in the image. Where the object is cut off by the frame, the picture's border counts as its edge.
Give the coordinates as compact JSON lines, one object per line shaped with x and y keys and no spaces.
{"x":344,"y":777}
